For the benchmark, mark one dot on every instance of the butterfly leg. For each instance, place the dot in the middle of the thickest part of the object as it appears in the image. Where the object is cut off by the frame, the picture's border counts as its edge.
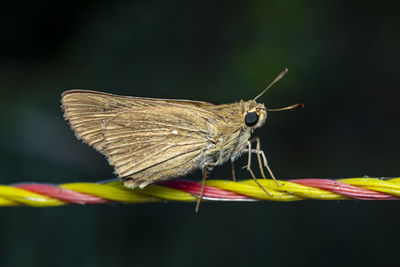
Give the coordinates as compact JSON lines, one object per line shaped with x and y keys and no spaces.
{"x":242,"y":149}
{"x":258,"y":147}
{"x":206,"y":169}
{"x":248,"y":167}
{"x":233,"y":171}
{"x":261,"y":153}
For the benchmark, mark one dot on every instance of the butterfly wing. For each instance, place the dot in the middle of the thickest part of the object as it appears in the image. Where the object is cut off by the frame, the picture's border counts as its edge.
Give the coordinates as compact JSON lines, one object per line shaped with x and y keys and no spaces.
{"x":86,"y":111}
{"x":144,"y":139}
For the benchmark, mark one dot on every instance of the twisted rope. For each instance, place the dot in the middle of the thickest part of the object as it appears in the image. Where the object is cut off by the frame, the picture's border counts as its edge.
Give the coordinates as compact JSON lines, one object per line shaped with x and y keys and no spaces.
{"x":45,"y":195}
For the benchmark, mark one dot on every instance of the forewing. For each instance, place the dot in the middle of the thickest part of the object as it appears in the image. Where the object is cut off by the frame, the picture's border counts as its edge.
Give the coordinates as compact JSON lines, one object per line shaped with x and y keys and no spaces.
{"x":138,"y":134}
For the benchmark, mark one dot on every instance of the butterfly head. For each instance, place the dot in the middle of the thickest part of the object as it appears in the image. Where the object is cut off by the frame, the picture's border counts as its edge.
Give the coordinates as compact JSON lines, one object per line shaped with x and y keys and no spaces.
{"x":254,"y":114}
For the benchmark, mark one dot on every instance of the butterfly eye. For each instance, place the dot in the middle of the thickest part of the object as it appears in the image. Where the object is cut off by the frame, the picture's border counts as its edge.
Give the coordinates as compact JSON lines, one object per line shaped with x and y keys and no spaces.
{"x":251,"y":119}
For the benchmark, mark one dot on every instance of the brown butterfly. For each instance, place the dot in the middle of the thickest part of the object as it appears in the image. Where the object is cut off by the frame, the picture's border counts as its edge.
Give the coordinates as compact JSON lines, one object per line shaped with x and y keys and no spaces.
{"x":148,"y":140}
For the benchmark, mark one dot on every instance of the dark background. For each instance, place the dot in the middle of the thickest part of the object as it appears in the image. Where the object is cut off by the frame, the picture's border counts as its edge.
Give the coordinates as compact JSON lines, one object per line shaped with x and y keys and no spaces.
{"x":343,"y":64}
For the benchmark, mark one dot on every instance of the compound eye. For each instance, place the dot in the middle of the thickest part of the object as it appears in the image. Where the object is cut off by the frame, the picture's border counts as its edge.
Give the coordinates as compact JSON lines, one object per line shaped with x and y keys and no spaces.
{"x":251,"y":119}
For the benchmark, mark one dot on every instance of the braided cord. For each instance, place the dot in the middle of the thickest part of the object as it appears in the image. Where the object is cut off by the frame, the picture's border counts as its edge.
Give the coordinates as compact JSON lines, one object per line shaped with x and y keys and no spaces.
{"x":46,"y":195}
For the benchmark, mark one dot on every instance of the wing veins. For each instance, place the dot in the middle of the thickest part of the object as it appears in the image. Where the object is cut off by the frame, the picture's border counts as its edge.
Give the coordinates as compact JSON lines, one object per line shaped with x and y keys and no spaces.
{"x":172,"y":127}
{"x":163,"y":161}
{"x":146,"y":158}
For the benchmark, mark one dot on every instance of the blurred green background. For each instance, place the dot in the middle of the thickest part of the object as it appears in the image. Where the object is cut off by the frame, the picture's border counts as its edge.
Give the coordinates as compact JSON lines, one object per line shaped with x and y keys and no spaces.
{"x":343,"y":62}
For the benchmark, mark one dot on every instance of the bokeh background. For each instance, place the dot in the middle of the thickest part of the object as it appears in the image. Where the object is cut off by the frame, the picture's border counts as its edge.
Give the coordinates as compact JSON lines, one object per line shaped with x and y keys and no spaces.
{"x":343,"y":60}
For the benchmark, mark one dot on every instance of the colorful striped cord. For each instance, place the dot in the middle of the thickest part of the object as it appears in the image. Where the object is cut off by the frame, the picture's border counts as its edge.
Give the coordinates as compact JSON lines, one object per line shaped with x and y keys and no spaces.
{"x":45,"y":195}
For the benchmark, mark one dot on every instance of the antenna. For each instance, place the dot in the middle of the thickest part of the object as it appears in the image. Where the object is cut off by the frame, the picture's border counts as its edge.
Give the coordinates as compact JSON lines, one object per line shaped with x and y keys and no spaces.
{"x":280,"y":76}
{"x":299,"y":105}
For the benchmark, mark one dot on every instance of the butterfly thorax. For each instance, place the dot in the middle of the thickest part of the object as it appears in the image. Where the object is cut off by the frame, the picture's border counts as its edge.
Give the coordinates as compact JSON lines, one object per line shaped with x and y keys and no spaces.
{"x":233,"y":132}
